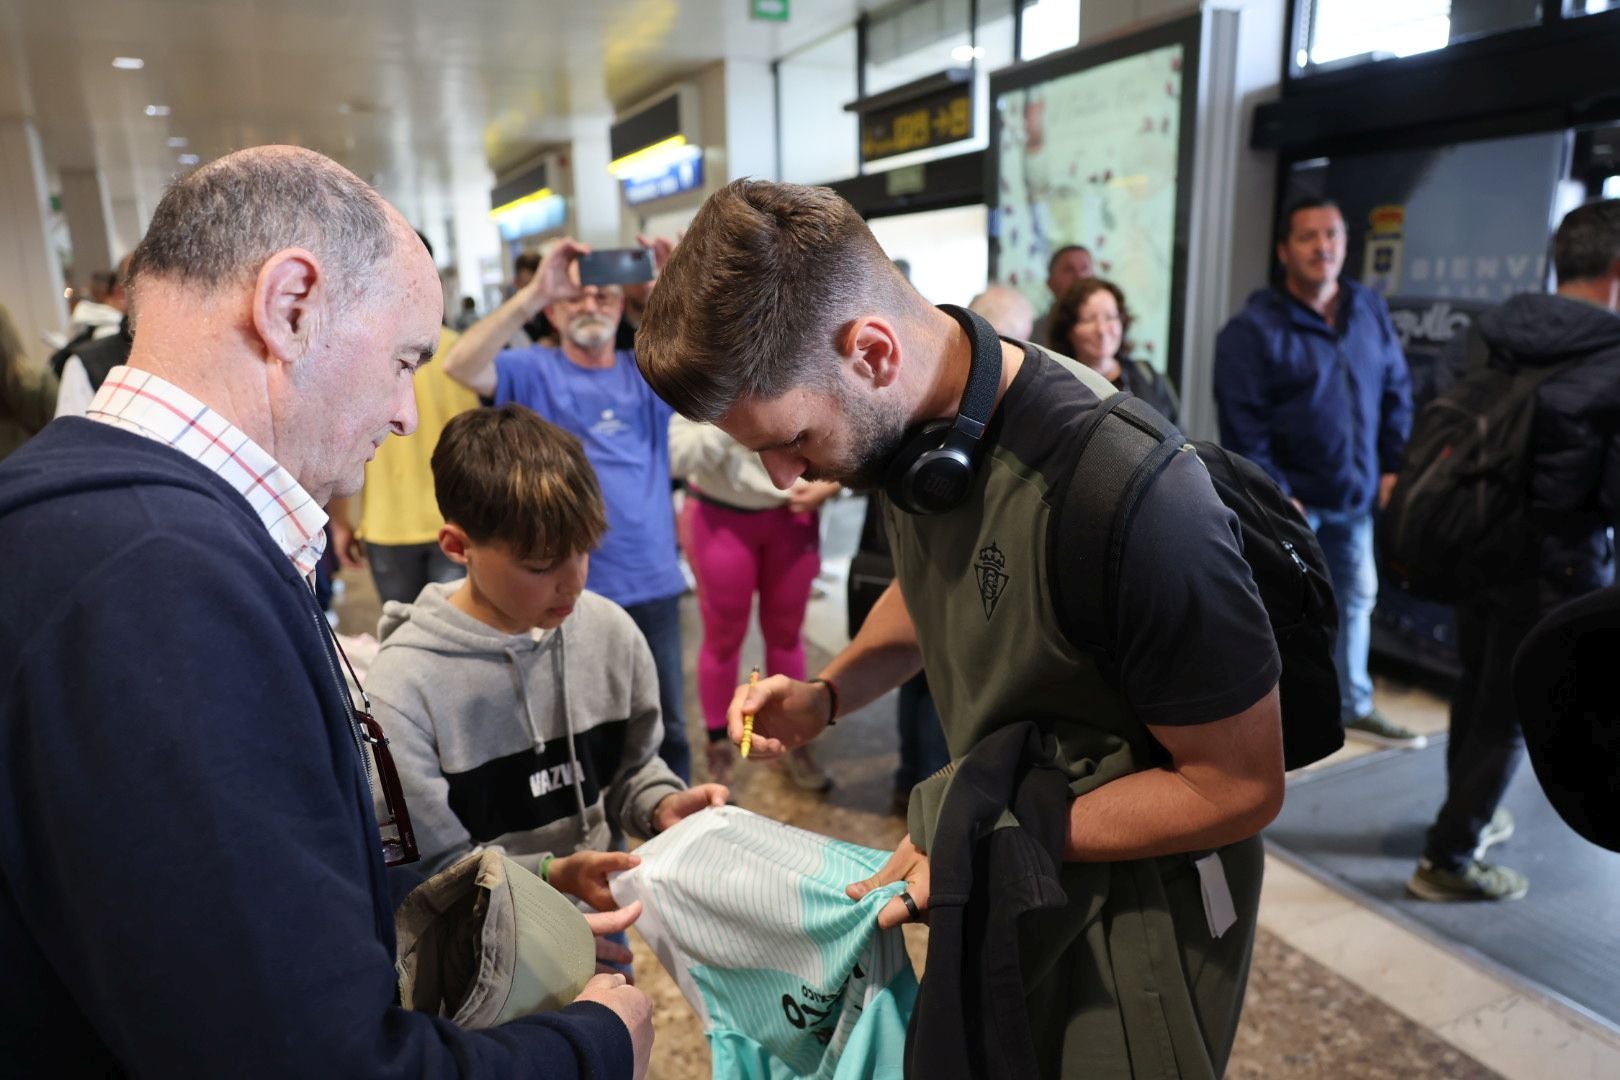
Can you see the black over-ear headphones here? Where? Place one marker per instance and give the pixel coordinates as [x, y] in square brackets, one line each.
[933, 469]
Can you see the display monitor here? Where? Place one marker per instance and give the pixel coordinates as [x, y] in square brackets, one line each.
[1093, 146]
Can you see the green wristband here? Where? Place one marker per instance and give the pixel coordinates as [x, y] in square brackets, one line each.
[545, 868]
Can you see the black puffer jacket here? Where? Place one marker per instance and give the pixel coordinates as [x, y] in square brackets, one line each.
[1575, 483]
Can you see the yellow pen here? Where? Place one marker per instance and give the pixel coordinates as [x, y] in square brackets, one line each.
[748, 718]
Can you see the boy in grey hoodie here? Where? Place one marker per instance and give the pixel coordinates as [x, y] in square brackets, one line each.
[522, 711]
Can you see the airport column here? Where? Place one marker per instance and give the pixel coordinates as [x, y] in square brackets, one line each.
[30, 276]
[84, 204]
[596, 192]
[750, 120]
[127, 223]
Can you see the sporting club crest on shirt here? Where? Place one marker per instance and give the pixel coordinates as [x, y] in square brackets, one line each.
[991, 570]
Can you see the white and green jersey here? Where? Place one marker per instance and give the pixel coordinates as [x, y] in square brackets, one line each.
[790, 977]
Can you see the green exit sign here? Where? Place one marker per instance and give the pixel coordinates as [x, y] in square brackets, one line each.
[770, 10]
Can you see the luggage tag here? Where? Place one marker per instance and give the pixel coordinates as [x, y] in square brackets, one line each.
[1218, 907]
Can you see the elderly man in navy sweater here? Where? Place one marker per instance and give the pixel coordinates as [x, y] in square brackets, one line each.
[191, 876]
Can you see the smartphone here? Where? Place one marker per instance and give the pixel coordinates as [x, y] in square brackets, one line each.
[616, 266]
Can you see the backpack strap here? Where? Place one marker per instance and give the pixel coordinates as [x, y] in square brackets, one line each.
[1126, 444]
[1479, 351]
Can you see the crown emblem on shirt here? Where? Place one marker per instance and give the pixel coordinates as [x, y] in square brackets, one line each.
[991, 570]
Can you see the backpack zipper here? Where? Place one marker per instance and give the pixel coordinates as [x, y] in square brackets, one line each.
[1260, 513]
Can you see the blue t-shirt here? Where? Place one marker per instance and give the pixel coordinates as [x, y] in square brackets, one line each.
[625, 429]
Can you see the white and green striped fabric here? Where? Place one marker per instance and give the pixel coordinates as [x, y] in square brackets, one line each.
[791, 977]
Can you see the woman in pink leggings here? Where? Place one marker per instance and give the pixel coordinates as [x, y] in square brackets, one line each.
[745, 537]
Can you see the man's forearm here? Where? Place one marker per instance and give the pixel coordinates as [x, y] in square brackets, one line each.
[471, 360]
[883, 655]
[1157, 812]
[1224, 784]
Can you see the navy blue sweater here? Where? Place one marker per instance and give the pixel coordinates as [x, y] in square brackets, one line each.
[190, 877]
[1323, 409]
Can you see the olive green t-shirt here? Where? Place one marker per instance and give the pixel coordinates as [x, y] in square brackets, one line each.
[985, 586]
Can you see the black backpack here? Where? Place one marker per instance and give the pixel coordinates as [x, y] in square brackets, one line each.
[872, 567]
[1458, 521]
[60, 357]
[1125, 445]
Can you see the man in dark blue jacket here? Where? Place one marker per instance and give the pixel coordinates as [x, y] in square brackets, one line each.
[1574, 499]
[192, 879]
[1311, 385]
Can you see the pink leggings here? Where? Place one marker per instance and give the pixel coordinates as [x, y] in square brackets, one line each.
[734, 555]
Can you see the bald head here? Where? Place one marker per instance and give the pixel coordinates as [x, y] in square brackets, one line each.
[217, 227]
[1007, 310]
[280, 290]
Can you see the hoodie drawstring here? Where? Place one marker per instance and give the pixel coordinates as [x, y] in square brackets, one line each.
[577, 774]
[557, 663]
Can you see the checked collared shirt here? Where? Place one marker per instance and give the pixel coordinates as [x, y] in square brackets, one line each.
[141, 402]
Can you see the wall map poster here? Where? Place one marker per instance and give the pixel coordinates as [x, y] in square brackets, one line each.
[1091, 158]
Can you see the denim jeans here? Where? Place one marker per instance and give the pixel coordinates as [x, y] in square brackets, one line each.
[400, 570]
[1347, 543]
[660, 623]
[922, 740]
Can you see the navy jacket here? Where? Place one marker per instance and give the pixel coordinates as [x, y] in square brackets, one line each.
[190, 877]
[1323, 409]
[1575, 469]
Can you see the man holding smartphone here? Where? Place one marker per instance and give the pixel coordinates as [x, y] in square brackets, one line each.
[595, 391]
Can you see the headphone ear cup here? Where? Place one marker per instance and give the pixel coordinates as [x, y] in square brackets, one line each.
[925, 476]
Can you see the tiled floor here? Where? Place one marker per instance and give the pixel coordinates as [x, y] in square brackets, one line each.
[1517, 1033]
[1337, 991]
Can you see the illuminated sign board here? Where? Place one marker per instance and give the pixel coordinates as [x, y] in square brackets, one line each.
[676, 177]
[942, 116]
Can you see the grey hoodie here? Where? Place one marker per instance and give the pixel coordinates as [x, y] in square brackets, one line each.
[502, 740]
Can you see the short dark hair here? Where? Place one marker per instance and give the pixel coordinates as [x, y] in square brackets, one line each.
[753, 298]
[1285, 223]
[1051, 264]
[1588, 241]
[1066, 312]
[220, 224]
[526, 263]
[506, 476]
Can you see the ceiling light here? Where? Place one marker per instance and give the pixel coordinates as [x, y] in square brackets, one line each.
[178, 142]
[966, 54]
[157, 110]
[188, 159]
[128, 63]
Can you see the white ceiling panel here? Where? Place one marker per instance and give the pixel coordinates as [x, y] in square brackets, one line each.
[412, 94]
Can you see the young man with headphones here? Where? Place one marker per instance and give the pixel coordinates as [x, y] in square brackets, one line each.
[780, 319]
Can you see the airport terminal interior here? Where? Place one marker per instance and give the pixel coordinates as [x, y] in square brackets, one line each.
[1175, 195]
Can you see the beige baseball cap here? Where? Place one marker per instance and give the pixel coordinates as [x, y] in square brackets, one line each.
[486, 941]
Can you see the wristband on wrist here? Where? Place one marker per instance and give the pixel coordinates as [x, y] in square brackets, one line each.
[545, 869]
[832, 698]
